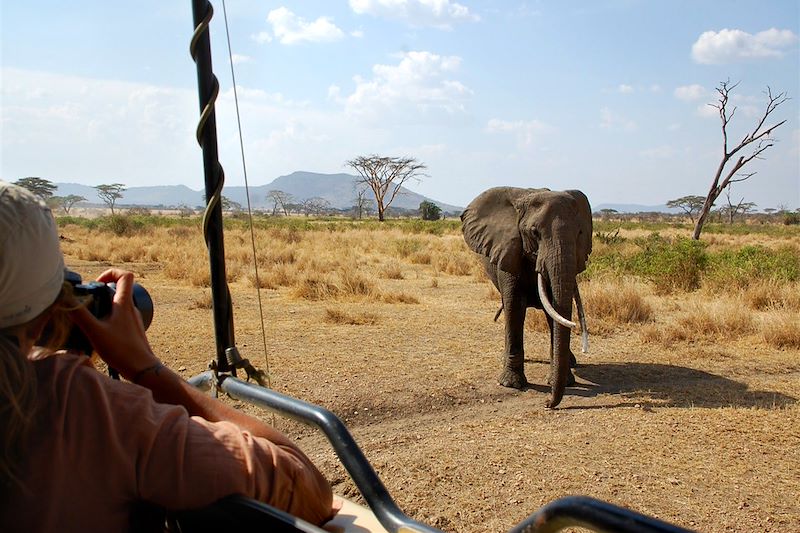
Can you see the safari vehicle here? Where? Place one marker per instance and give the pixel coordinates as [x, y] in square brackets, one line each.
[237, 513]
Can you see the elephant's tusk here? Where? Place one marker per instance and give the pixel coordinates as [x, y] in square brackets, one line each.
[582, 319]
[548, 307]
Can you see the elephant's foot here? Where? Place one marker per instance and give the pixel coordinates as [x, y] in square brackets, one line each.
[514, 379]
[573, 363]
[570, 379]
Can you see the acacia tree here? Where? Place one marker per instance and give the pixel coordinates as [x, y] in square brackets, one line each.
[315, 206]
[607, 212]
[229, 205]
[66, 202]
[691, 205]
[385, 176]
[280, 199]
[110, 193]
[760, 138]
[41, 187]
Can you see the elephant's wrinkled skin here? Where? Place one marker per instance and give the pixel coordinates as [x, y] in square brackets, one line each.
[522, 233]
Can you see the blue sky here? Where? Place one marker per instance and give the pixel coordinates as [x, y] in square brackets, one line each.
[606, 96]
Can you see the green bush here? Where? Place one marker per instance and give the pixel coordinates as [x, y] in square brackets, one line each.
[791, 219]
[121, 225]
[738, 268]
[669, 264]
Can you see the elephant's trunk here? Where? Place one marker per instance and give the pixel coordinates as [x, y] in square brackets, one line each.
[562, 286]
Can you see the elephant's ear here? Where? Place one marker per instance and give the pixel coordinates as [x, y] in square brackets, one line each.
[490, 227]
[584, 219]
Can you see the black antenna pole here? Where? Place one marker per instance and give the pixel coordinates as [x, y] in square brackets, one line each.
[208, 88]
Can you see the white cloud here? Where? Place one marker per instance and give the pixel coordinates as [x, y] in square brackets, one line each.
[625, 89]
[414, 89]
[659, 152]
[358, 34]
[262, 37]
[707, 111]
[526, 132]
[690, 92]
[611, 120]
[238, 59]
[95, 130]
[436, 13]
[335, 93]
[288, 28]
[728, 46]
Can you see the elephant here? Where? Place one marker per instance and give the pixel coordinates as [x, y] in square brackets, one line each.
[533, 243]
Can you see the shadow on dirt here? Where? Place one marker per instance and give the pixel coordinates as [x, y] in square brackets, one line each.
[657, 385]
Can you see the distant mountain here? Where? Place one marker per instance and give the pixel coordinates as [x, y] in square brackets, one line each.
[163, 195]
[338, 189]
[636, 208]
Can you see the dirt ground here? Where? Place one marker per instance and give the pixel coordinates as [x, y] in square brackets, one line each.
[704, 435]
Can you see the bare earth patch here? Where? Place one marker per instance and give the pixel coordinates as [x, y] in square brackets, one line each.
[702, 431]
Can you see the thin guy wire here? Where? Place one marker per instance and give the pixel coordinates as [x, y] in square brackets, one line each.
[247, 193]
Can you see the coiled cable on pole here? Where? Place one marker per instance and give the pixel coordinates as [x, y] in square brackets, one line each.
[208, 90]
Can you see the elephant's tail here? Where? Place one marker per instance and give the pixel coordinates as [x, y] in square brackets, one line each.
[497, 314]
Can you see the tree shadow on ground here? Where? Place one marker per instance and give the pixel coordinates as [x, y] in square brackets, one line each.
[656, 385]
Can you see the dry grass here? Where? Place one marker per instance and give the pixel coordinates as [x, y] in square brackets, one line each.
[203, 302]
[782, 330]
[767, 295]
[702, 321]
[392, 270]
[612, 303]
[316, 287]
[338, 316]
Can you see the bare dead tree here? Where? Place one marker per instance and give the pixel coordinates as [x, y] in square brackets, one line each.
[732, 209]
[360, 202]
[385, 176]
[760, 138]
[279, 199]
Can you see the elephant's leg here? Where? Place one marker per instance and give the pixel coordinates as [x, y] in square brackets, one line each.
[514, 305]
[572, 361]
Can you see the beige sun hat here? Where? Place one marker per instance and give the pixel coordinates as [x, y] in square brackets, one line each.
[31, 263]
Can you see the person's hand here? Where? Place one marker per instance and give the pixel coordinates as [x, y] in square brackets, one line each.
[119, 338]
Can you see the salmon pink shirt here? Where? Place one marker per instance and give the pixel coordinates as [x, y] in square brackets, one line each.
[99, 446]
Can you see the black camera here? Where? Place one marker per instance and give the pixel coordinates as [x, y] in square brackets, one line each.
[99, 304]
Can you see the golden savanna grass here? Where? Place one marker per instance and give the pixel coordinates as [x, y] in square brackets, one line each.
[686, 407]
[349, 265]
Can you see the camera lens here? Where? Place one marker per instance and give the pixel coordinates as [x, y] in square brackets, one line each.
[102, 295]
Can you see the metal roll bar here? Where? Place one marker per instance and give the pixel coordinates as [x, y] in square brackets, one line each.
[571, 511]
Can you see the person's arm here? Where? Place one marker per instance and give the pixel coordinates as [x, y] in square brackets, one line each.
[121, 342]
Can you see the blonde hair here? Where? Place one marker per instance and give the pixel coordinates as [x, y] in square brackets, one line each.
[18, 382]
